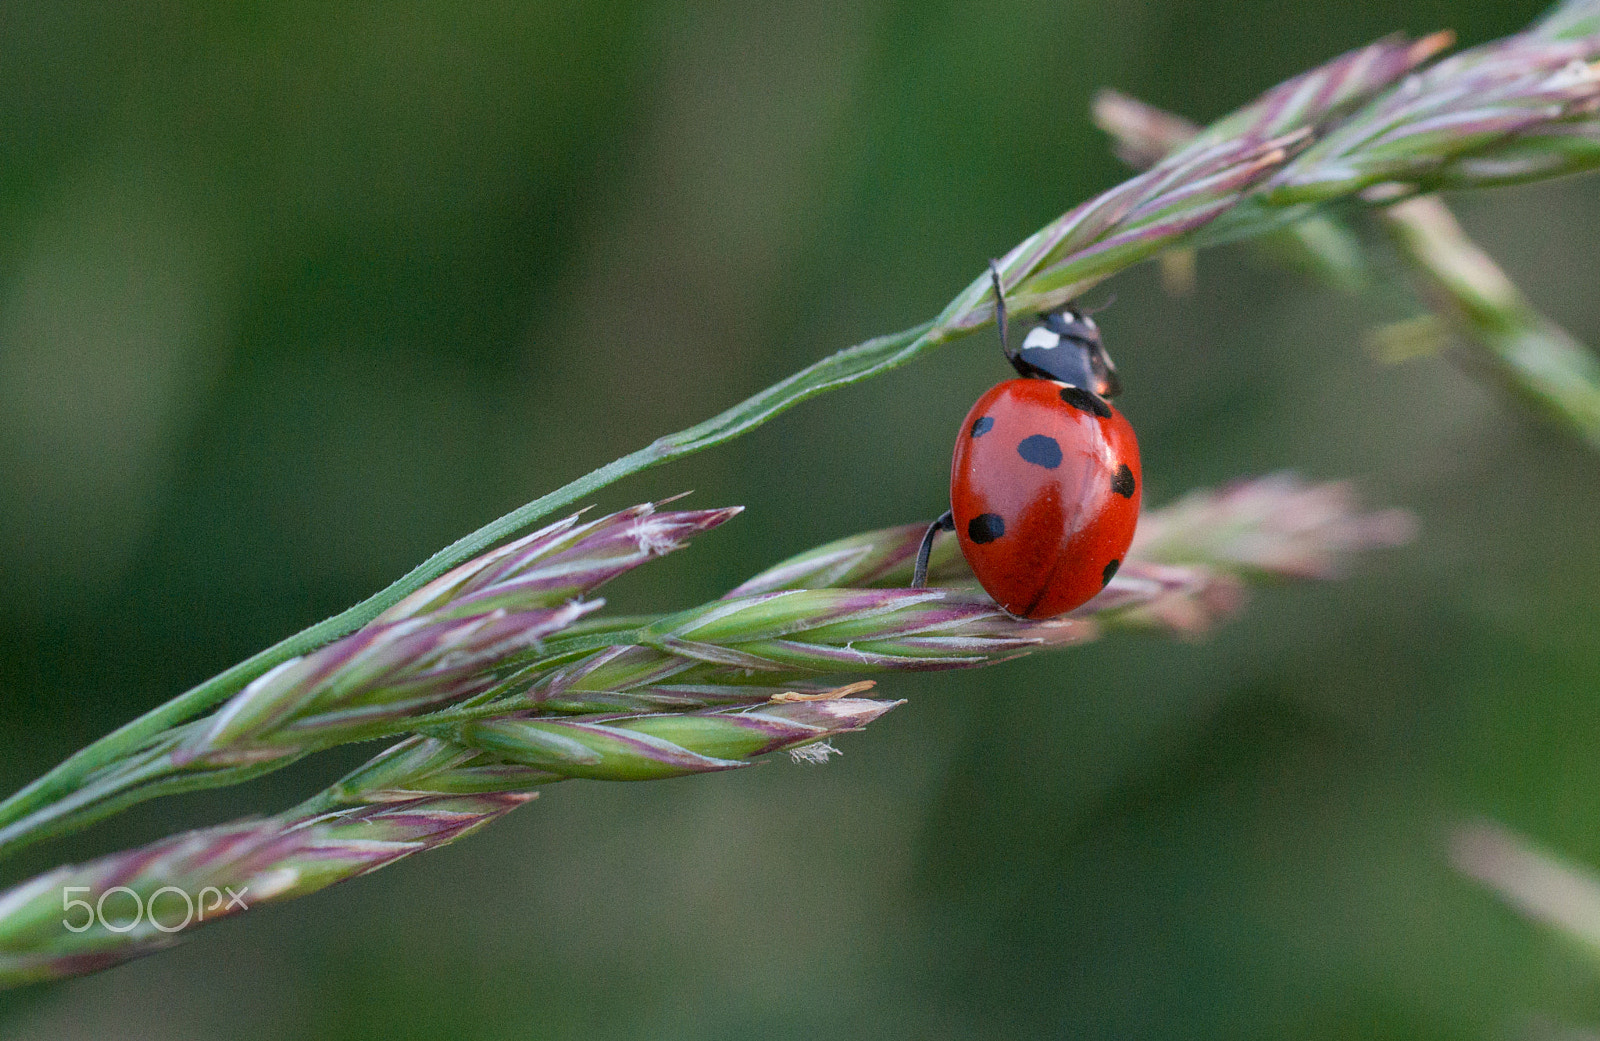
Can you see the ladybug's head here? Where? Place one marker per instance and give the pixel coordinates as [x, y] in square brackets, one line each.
[1066, 346]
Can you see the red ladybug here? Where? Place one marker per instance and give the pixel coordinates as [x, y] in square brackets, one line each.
[1045, 483]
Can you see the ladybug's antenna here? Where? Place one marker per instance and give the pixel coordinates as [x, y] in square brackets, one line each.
[999, 304]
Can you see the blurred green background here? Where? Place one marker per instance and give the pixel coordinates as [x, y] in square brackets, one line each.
[292, 294]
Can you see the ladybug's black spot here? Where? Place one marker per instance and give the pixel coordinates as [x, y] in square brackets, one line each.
[1084, 401]
[981, 425]
[986, 527]
[1040, 451]
[1109, 573]
[1122, 481]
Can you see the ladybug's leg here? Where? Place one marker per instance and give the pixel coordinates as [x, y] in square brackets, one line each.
[919, 574]
[999, 305]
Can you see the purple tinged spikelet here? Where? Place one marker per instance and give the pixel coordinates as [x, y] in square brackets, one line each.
[1312, 98]
[1517, 109]
[1137, 219]
[454, 639]
[1184, 571]
[558, 562]
[767, 638]
[652, 746]
[381, 671]
[447, 640]
[1273, 526]
[1465, 107]
[429, 790]
[222, 871]
[873, 559]
[1190, 187]
[371, 820]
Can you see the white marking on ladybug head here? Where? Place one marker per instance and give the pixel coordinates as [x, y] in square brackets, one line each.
[1042, 339]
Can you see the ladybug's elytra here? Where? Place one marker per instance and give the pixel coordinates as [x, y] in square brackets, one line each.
[1045, 483]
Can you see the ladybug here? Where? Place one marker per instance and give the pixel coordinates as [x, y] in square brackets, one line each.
[1045, 483]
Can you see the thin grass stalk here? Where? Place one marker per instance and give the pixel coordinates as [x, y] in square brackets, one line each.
[447, 641]
[1519, 348]
[427, 667]
[1463, 117]
[1539, 885]
[1245, 156]
[1320, 245]
[695, 691]
[1130, 223]
[1360, 130]
[179, 883]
